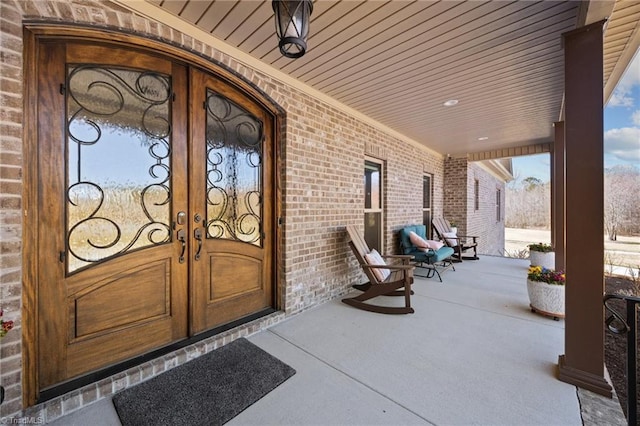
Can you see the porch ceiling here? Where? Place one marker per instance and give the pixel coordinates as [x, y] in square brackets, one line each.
[398, 61]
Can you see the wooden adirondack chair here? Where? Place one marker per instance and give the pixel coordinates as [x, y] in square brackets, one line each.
[397, 283]
[459, 243]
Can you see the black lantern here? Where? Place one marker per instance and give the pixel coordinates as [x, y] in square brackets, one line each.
[292, 25]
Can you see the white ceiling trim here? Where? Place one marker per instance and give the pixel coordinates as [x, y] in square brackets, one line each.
[496, 169]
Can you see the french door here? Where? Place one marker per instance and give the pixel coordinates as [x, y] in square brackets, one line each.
[155, 192]
[231, 186]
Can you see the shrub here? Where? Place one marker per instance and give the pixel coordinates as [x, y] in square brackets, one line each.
[541, 247]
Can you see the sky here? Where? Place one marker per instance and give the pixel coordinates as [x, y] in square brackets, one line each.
[621, 129]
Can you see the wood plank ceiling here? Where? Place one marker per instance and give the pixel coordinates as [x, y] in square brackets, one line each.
[398, 61]
[621, 41]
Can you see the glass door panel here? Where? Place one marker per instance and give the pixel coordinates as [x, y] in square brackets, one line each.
[234, 171]
[118, 169]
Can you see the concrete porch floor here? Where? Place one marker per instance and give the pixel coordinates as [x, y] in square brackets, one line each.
[473, 353]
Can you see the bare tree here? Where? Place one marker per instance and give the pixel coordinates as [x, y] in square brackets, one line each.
[622, 200]
[528, 203]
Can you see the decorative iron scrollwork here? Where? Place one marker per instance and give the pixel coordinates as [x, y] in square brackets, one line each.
[118, 162]
[234, 171]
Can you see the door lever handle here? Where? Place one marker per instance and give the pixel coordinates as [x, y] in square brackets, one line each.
[197, 234]
[182, 238]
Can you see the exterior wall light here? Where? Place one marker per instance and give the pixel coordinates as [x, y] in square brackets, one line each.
[292, 25]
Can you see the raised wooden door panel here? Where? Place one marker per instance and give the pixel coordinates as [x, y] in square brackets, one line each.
[112, 176]
[231, 200]
[124, 311]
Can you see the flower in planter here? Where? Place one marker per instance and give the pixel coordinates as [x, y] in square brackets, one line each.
[541, 247]
[5, 326]
[549, 276]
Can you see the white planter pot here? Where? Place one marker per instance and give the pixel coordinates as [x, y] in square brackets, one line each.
[546, 299]
[544, 259]
[454, 229]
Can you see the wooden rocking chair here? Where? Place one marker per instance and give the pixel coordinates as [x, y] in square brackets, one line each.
[400, 276]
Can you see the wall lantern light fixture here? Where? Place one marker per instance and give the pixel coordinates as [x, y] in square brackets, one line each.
[292, 25]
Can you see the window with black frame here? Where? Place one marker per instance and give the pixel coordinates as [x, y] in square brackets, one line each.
[373, 209]
[427, 191]
[476, 195]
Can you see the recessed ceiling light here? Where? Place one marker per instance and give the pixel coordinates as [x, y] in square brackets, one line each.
[451, 102]
[483, 138]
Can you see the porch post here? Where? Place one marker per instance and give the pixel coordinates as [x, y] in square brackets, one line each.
[558, 195]
[583, 361]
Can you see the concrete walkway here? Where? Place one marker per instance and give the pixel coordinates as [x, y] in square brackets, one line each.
[473, 353]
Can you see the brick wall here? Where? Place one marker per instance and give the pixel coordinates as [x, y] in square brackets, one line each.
[323, 153]
[405, 166]
[460, 176]
[10, 201]
[483, 222]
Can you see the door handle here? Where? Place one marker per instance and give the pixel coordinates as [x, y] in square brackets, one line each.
[182, 238]
[197, 234]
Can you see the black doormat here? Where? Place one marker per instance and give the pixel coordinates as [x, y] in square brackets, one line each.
[209, 390]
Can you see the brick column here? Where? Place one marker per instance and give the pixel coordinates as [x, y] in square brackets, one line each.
[455, 192]
[583, 362]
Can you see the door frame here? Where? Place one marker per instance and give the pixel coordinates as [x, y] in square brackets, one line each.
[36, 32]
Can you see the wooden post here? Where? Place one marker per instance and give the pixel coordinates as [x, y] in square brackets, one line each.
[583, 361]
[558, 196]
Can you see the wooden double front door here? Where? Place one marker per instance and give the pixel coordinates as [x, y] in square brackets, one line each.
[155, 191]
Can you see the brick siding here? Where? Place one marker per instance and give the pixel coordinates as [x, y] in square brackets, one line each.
[323, 151]
[455, 192]
[483, 222]
[459, 204]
